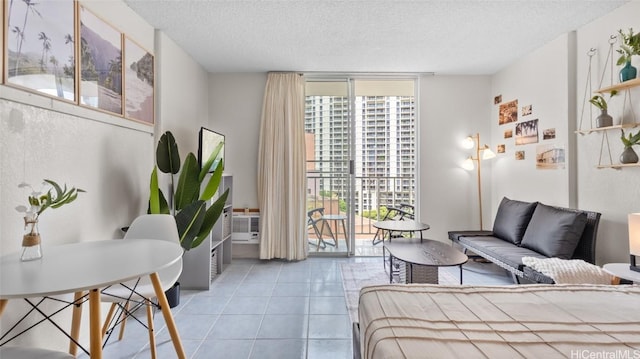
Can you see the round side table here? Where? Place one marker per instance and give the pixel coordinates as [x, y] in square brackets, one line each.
[621, 270]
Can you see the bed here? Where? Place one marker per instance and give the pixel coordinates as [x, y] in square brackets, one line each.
[533, 321]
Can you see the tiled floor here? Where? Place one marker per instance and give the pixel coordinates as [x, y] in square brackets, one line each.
[268, 309]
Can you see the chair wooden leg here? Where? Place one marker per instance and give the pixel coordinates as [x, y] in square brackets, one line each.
[107, 320]
[124, 321]
[152, 337]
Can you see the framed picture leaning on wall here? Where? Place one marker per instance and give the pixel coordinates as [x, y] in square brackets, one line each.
[40, 47]
[138, 82]
[100, 63]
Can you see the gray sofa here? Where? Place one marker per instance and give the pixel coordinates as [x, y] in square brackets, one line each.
[532, 229]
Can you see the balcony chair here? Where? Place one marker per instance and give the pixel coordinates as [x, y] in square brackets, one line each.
[315, 217]
[127, 297]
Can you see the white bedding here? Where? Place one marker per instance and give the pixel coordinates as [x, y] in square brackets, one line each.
[532, 321]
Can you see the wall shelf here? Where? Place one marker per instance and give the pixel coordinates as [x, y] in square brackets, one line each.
[621, 86]
[626, 125]
[619, 166]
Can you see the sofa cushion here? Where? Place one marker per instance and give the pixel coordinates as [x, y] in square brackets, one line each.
[554, 232]
[497, 250]
[512, 219]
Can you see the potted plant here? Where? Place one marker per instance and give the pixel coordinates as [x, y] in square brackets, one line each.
[604, 119]
[39, 201]
[188, 198]
[629, 155]
[188, 202]
[630, 46]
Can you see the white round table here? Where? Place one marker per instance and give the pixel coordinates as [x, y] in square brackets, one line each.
[90, 266]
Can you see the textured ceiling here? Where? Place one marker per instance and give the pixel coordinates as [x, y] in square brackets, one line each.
[449, 37]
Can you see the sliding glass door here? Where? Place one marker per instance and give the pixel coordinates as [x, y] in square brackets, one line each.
[361, 158]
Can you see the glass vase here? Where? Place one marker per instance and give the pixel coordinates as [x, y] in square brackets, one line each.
[31, 246]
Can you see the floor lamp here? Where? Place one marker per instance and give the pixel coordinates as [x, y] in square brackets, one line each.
[469, 163]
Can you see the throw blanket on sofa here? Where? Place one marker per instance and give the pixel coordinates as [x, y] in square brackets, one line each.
[574, 271]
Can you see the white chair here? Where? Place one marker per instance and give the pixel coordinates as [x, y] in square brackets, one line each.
[140, 291]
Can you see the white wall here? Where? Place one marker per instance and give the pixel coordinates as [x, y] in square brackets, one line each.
[183, 95]
[108, 156]
[235, 105]
[614, 193]
[451, 108]
[541, 79]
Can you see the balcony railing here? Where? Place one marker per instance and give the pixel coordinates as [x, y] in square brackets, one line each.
[370, 194]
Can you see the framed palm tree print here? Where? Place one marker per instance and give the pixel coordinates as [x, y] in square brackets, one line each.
[100, 63]
[39, 45]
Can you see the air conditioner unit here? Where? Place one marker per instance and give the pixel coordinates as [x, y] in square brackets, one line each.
[246, 228]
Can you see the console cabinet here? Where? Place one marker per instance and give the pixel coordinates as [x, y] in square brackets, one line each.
[201, 264]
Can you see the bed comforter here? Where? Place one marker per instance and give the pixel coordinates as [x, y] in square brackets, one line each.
[535, 321]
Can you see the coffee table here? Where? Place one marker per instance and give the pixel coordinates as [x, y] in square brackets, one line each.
[427, 255]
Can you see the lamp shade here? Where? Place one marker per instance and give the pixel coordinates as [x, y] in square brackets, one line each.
[634, 234]
[468, 142]
[468, 164]
[487, 153]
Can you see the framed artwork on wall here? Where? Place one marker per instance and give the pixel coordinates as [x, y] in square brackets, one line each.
[519, 155]
[527, 132]
[40, 47]
[550, 157]
[138, 82]
[526, 110]
[508, 112]
[100, 64]
[549, 134]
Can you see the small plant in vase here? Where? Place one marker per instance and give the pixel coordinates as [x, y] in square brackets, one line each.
[629, 155]
[604, 119]
[39, 201]
[630, 46]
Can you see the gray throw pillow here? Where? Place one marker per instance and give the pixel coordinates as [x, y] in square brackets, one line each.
[512, 219]
[554, 232]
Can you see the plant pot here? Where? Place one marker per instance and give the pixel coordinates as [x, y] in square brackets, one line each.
[628, 72]
[628, 156]
[604, 119]
[173, 295]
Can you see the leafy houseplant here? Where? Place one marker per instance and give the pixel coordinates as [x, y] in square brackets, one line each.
[630, 46]
[188, 202]
[604, 119]
[55, 197]
[629, 155]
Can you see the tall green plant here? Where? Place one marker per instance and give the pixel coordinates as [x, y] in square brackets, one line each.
[188, 197]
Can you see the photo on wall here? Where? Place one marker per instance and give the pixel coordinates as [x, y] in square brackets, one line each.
[550, 157]
[527, 132]
[100, 63]
[497, 99]
[508, 112]
[526, 110]
[138, 82]
[519, 155]
[40, 47]
[508, 133]
[501, 148]
[549, 134]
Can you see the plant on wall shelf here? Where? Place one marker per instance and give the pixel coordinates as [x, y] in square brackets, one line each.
[629, 155]
[630, 46]
[630, 139]
[188, 202]
[600, 102]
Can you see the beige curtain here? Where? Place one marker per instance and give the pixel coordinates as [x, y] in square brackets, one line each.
[281, 169]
